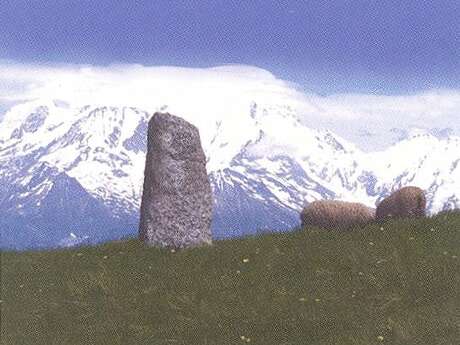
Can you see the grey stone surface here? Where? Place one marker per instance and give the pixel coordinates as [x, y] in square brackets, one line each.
[405, 202]
[176, 206]
[335, 214]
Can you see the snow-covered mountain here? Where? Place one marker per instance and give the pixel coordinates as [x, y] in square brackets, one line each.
[74, 173]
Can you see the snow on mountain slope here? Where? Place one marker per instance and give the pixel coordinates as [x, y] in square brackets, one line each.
[88, 147]
[264, 164]
[425, 161]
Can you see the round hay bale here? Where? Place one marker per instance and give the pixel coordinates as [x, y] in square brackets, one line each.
[406, 202]
[334, 214]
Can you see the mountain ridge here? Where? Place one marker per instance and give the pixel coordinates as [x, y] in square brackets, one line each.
[264, 164]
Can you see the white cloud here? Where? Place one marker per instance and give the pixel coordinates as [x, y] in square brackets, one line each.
[369, 120]
[133, 84]
[365, 119]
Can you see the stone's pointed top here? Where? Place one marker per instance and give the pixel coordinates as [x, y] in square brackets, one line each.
[167, 118]
[175, 136]
[159, 116]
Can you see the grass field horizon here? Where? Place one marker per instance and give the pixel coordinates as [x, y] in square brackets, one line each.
[391, 283]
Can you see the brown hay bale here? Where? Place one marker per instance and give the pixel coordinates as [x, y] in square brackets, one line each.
[405, 202]
[334, 214]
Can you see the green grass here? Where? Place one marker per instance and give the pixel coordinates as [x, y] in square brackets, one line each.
[399, 285]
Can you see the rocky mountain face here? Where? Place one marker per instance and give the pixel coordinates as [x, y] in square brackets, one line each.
[71, 174]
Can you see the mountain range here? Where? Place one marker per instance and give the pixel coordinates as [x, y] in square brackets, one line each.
[73, 174]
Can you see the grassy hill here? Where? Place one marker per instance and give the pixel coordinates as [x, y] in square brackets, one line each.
[395, 284]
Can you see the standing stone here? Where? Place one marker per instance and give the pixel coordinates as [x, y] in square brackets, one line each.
[405, 202]
[177, 199]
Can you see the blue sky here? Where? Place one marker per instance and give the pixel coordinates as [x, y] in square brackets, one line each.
[383, 47]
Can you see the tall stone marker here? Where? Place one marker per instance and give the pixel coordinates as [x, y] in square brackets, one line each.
[176, 206]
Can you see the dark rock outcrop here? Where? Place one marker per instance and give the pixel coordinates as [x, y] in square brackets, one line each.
[334, 214]
[176, 206]
[405, 202]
